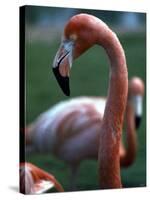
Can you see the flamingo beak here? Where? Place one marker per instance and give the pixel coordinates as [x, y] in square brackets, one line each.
[62, 64]
[137, 122]
[138, 109]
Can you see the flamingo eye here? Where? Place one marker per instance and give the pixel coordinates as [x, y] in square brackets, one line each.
[73, 37]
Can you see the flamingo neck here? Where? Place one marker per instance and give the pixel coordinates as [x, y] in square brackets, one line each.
[110, 132]
[130, 152]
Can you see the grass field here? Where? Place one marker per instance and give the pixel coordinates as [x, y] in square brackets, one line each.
[89, 76]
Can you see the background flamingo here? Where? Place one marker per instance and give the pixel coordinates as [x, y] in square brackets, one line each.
[132, 120]
[34, 180]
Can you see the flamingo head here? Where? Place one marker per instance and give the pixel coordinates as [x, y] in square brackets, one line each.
[79, 35]
[136, 92]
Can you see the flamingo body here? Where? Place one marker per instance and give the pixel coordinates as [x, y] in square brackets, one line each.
[68, 128]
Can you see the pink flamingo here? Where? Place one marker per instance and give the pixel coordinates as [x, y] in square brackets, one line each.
[82, 32]
[34, 180]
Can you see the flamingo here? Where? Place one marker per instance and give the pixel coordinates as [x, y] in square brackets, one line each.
[64, 127]
[82, 32]
[34, 180]
[132, 118]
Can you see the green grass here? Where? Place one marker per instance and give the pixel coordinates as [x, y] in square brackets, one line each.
[89, 76]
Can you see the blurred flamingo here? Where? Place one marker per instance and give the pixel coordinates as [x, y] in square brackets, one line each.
[133, 116]
[34, 180]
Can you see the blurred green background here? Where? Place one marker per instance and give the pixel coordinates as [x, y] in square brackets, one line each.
[44, 27]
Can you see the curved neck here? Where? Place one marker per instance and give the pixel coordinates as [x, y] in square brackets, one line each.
[110, 132]
[130, 152]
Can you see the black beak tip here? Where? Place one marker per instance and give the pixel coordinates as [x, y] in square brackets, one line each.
[66, 90]
[137, 121]
[67, 93]
[62, 81]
